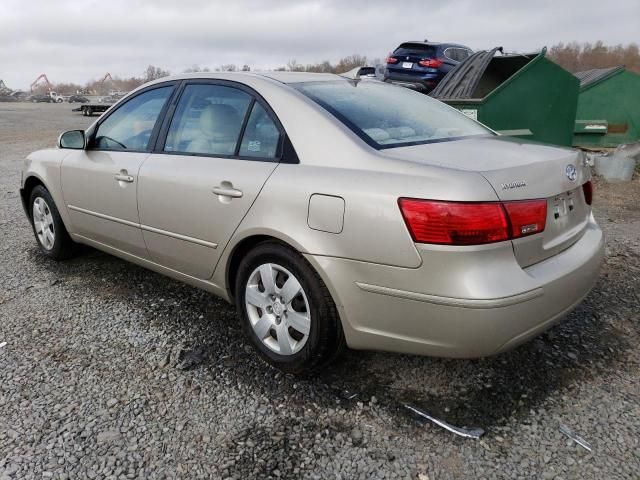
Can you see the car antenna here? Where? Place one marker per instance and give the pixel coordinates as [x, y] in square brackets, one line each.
[359, 72]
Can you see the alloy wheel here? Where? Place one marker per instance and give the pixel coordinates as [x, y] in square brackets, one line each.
[278, 309]
[43, 223]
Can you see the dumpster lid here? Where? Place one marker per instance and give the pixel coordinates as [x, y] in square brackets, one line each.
[596, 75]
[480, 74]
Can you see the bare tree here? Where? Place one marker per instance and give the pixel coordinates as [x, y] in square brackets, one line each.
[294, 66]
[348, 63]
[576, 57]
[196, 68]
[153, 73]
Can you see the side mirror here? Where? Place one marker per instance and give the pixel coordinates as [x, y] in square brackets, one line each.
[72, 139]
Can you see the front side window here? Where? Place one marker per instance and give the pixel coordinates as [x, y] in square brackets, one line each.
[208, 120]
[130, 126]
[387, 116]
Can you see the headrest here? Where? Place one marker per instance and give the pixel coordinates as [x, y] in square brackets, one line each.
[220, 121]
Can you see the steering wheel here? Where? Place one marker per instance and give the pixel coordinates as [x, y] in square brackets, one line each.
[104, 137]
[140, 140]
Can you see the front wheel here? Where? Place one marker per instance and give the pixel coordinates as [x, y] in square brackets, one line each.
[50, 232]
[286, 309]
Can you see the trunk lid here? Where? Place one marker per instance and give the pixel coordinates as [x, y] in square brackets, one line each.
[519, 170]
[409, 54]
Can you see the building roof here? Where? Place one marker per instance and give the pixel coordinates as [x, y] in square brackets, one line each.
[595, 75]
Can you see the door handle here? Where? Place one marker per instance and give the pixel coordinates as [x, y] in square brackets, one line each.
[123, 176]
[227, 190]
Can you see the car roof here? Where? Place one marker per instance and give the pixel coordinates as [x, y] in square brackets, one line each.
[434, 44]
[282, 77]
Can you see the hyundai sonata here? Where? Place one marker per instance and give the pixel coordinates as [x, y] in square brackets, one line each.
[332, 211]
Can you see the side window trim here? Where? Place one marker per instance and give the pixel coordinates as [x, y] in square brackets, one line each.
[156, 127]
[245, 120]
[286, 151]
[447, 53]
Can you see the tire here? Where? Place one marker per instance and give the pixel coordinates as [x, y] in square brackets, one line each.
[272, 326]
[52, 236]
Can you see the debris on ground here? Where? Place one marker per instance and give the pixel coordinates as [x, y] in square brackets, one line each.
[576, 438]
[466, 432]
[188, 359]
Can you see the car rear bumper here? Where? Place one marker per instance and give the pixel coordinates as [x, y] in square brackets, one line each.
[427, 80]
[387, 308]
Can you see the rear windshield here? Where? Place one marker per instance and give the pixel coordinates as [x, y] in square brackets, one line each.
[416, 48]
[387, 116]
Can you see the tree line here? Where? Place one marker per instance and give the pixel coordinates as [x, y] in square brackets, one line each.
[572, 56]
[152, 72]
[577, 57]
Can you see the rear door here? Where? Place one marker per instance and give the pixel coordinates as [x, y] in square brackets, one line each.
[99, 184]
[408, 56]
[217, 148]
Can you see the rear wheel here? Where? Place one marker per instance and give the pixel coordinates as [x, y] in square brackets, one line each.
[286, 309]
[50, 232]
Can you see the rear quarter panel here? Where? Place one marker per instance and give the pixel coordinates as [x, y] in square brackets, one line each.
[373, 229]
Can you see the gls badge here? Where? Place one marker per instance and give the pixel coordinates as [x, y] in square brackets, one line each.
[516, 184]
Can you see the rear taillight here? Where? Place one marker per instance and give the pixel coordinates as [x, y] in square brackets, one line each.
[430, 62]
[392, 60]
[526, 217]
[587, 188]
[471, 223]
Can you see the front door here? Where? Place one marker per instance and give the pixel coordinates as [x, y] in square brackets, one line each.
[100, 184]
[218, 151]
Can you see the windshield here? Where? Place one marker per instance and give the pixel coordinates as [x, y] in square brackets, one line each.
[387, 116]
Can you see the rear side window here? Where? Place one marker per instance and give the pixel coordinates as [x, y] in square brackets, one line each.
[457, 54]
[416, 49]
[130, 126]
[452, 54]
[261, 136]
[464, 53]
[208, 120]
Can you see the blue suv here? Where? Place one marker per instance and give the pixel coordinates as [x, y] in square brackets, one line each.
[423, 64]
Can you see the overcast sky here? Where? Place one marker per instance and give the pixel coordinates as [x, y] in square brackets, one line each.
[82, 40]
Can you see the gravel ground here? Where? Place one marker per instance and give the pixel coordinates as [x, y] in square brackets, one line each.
[111, 371]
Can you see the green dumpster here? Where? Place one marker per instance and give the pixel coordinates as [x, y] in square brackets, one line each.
[608, 108]
[524, 95]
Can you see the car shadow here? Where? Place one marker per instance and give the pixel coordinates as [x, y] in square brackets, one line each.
[486, 392]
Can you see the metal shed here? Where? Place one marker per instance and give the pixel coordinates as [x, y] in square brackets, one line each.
[524, 95]
[608, 108]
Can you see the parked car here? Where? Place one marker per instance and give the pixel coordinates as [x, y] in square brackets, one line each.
[19, 95]
[78, 99]
[41, 99]
[56, 98]
[423, 64]
[108, 99]
[331, 211]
